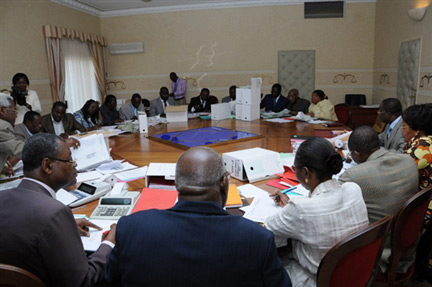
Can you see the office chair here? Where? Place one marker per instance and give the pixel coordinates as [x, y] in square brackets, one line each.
[354, 261]
[404, 238]
[355, 99]
[12, 276]
[343, 113]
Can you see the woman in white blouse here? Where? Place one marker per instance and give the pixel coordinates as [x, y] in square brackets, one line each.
[321, 106]
[20, 82]
[315, 223]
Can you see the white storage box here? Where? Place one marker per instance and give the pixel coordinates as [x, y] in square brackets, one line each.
[253, 164]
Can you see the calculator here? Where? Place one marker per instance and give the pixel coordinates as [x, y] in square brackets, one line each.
[112, 208]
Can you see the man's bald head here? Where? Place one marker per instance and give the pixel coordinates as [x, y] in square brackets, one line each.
[200, 175]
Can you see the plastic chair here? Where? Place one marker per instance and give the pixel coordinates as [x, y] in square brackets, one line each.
[354, 261]
[404, 238]
[343, 113]
[355, 99]
[12, 276]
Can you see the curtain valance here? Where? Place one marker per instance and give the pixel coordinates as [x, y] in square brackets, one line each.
[50, 31]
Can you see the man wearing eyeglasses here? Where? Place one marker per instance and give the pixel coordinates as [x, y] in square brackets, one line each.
[39, 233]
[10, 146]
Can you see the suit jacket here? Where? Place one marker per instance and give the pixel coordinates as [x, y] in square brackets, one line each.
[395, 141]
[21, 132]
[9, 144]
[69, 123]
[39, 234]
[157, 108]
[197, 101]
[126, 111]
[267, 103]
[193, 244]
[387, 181]
[227, 99]
[301, 105]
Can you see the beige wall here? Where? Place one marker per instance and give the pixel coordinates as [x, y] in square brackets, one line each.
[22, 46]
[392, 28]
[221, 47]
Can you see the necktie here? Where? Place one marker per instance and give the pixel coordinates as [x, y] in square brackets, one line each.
[274, 103]
[165, 104]
[389, 131]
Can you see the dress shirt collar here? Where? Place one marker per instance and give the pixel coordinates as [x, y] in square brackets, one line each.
[29, 132]
[325, 186]
[49, 189]
[392, 125]
[58, 126]
[207, 207]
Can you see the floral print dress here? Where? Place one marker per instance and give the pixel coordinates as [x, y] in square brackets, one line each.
[420, 149]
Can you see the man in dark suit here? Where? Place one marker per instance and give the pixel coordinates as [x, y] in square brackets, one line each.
[158, 106]
[59, 122]
[390, 113]
[39, 233]
[274, 102]
[297, 104]
[31, 125]
[200, 103]
[195, 243]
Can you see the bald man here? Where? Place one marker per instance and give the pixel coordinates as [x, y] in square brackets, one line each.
[195, 243]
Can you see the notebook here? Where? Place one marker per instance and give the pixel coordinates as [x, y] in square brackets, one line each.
[155, 199]
[234, 199]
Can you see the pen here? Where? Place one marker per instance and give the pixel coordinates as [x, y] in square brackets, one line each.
[285, 191]
[78, 216]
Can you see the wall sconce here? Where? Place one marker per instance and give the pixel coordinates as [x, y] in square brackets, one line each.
[417, 14]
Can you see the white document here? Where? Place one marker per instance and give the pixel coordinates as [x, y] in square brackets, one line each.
[92, 152]
[65, 197]
[249, 190]
[159, 169]
[262, 207]
[10, 184]
[279, 120]
[93, 242]
[114, 167]
[88, 175]
[132, 174]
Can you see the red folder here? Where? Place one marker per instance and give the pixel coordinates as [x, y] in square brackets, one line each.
[155, 199]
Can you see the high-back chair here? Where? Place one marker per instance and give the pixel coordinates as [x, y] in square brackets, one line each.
[404, 238]
[342, 112]
[354, 261]
[355, 99]
[12, 276]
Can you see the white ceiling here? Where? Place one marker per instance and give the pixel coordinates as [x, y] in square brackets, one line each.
[113, 8]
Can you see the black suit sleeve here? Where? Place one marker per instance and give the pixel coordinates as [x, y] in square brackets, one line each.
[63, 254]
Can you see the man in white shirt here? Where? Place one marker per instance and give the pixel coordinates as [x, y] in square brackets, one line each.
[178, 89]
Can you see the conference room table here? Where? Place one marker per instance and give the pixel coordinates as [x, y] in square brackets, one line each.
[140, 149]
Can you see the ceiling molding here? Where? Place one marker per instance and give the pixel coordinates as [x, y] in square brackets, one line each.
[190, 7]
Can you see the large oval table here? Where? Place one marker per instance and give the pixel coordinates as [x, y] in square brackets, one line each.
[141, 149]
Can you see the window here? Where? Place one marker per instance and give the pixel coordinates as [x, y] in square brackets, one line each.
[80, 80]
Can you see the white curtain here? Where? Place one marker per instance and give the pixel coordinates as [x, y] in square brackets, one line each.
[80, 81]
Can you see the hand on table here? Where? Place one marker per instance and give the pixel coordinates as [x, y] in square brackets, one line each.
[83, 226]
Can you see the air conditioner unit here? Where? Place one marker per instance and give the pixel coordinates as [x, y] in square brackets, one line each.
[127, 48]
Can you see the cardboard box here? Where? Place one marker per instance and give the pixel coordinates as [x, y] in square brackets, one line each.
[253, 164]
[176, 113]
[249, 112]
[161, 175]
[142, 124]
[220, 111]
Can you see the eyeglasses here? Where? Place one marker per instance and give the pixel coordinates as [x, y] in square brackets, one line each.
[381, 112]
[71, 161]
